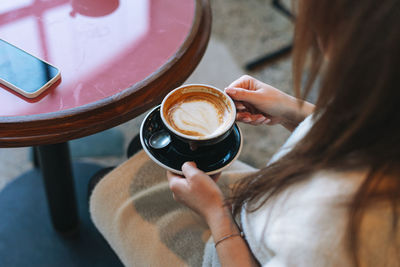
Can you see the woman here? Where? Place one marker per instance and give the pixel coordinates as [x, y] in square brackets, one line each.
[331, 196]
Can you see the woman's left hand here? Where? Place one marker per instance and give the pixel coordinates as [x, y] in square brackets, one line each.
[196, 190]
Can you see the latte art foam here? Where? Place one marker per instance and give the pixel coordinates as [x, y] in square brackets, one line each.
[198, 115]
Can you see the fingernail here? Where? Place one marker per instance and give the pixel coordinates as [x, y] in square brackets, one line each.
[267, 121]
[246, 119]
[230, 90]
[240, 107]
[188, 164]
[260, 119]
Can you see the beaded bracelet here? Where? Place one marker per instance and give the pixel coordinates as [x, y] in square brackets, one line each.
[227, 237]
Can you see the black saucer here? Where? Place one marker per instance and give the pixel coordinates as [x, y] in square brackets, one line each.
[210, 159]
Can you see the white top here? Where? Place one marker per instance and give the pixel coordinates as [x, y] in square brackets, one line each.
[306, 225]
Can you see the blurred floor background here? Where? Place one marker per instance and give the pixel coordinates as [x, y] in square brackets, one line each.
[241, 32]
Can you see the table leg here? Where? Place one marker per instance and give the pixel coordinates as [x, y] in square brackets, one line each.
[55, 165]
[35, 157]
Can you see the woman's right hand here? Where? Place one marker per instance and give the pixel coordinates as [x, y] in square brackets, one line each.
[259, 103]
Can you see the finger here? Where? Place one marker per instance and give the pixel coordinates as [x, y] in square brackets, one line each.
[240, 106]
[244, 81]
[191, 171]
[250, 108]
[191, 164]
[171, 175]
[267, 121]
[247, 117]
[259, 118]
[246, 107]
[241, 94]
[176, 182]
[243, 116]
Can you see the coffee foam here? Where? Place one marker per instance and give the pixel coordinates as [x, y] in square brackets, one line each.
[198, 114]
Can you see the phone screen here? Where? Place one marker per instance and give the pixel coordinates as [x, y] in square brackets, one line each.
[23, 70]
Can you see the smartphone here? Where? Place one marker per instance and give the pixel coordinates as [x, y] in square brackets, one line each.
[23, 72]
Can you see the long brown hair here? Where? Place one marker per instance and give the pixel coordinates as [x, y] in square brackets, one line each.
[357, 115]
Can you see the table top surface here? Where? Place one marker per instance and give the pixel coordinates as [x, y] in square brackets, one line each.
[111, 53]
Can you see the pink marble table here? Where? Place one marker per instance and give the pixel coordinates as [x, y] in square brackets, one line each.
[117, 58]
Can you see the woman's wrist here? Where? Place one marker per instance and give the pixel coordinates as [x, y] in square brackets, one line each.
[296, 111]
[221, 223]
[229, 240]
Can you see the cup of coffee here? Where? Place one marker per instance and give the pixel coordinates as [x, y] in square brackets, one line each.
[198, 114]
